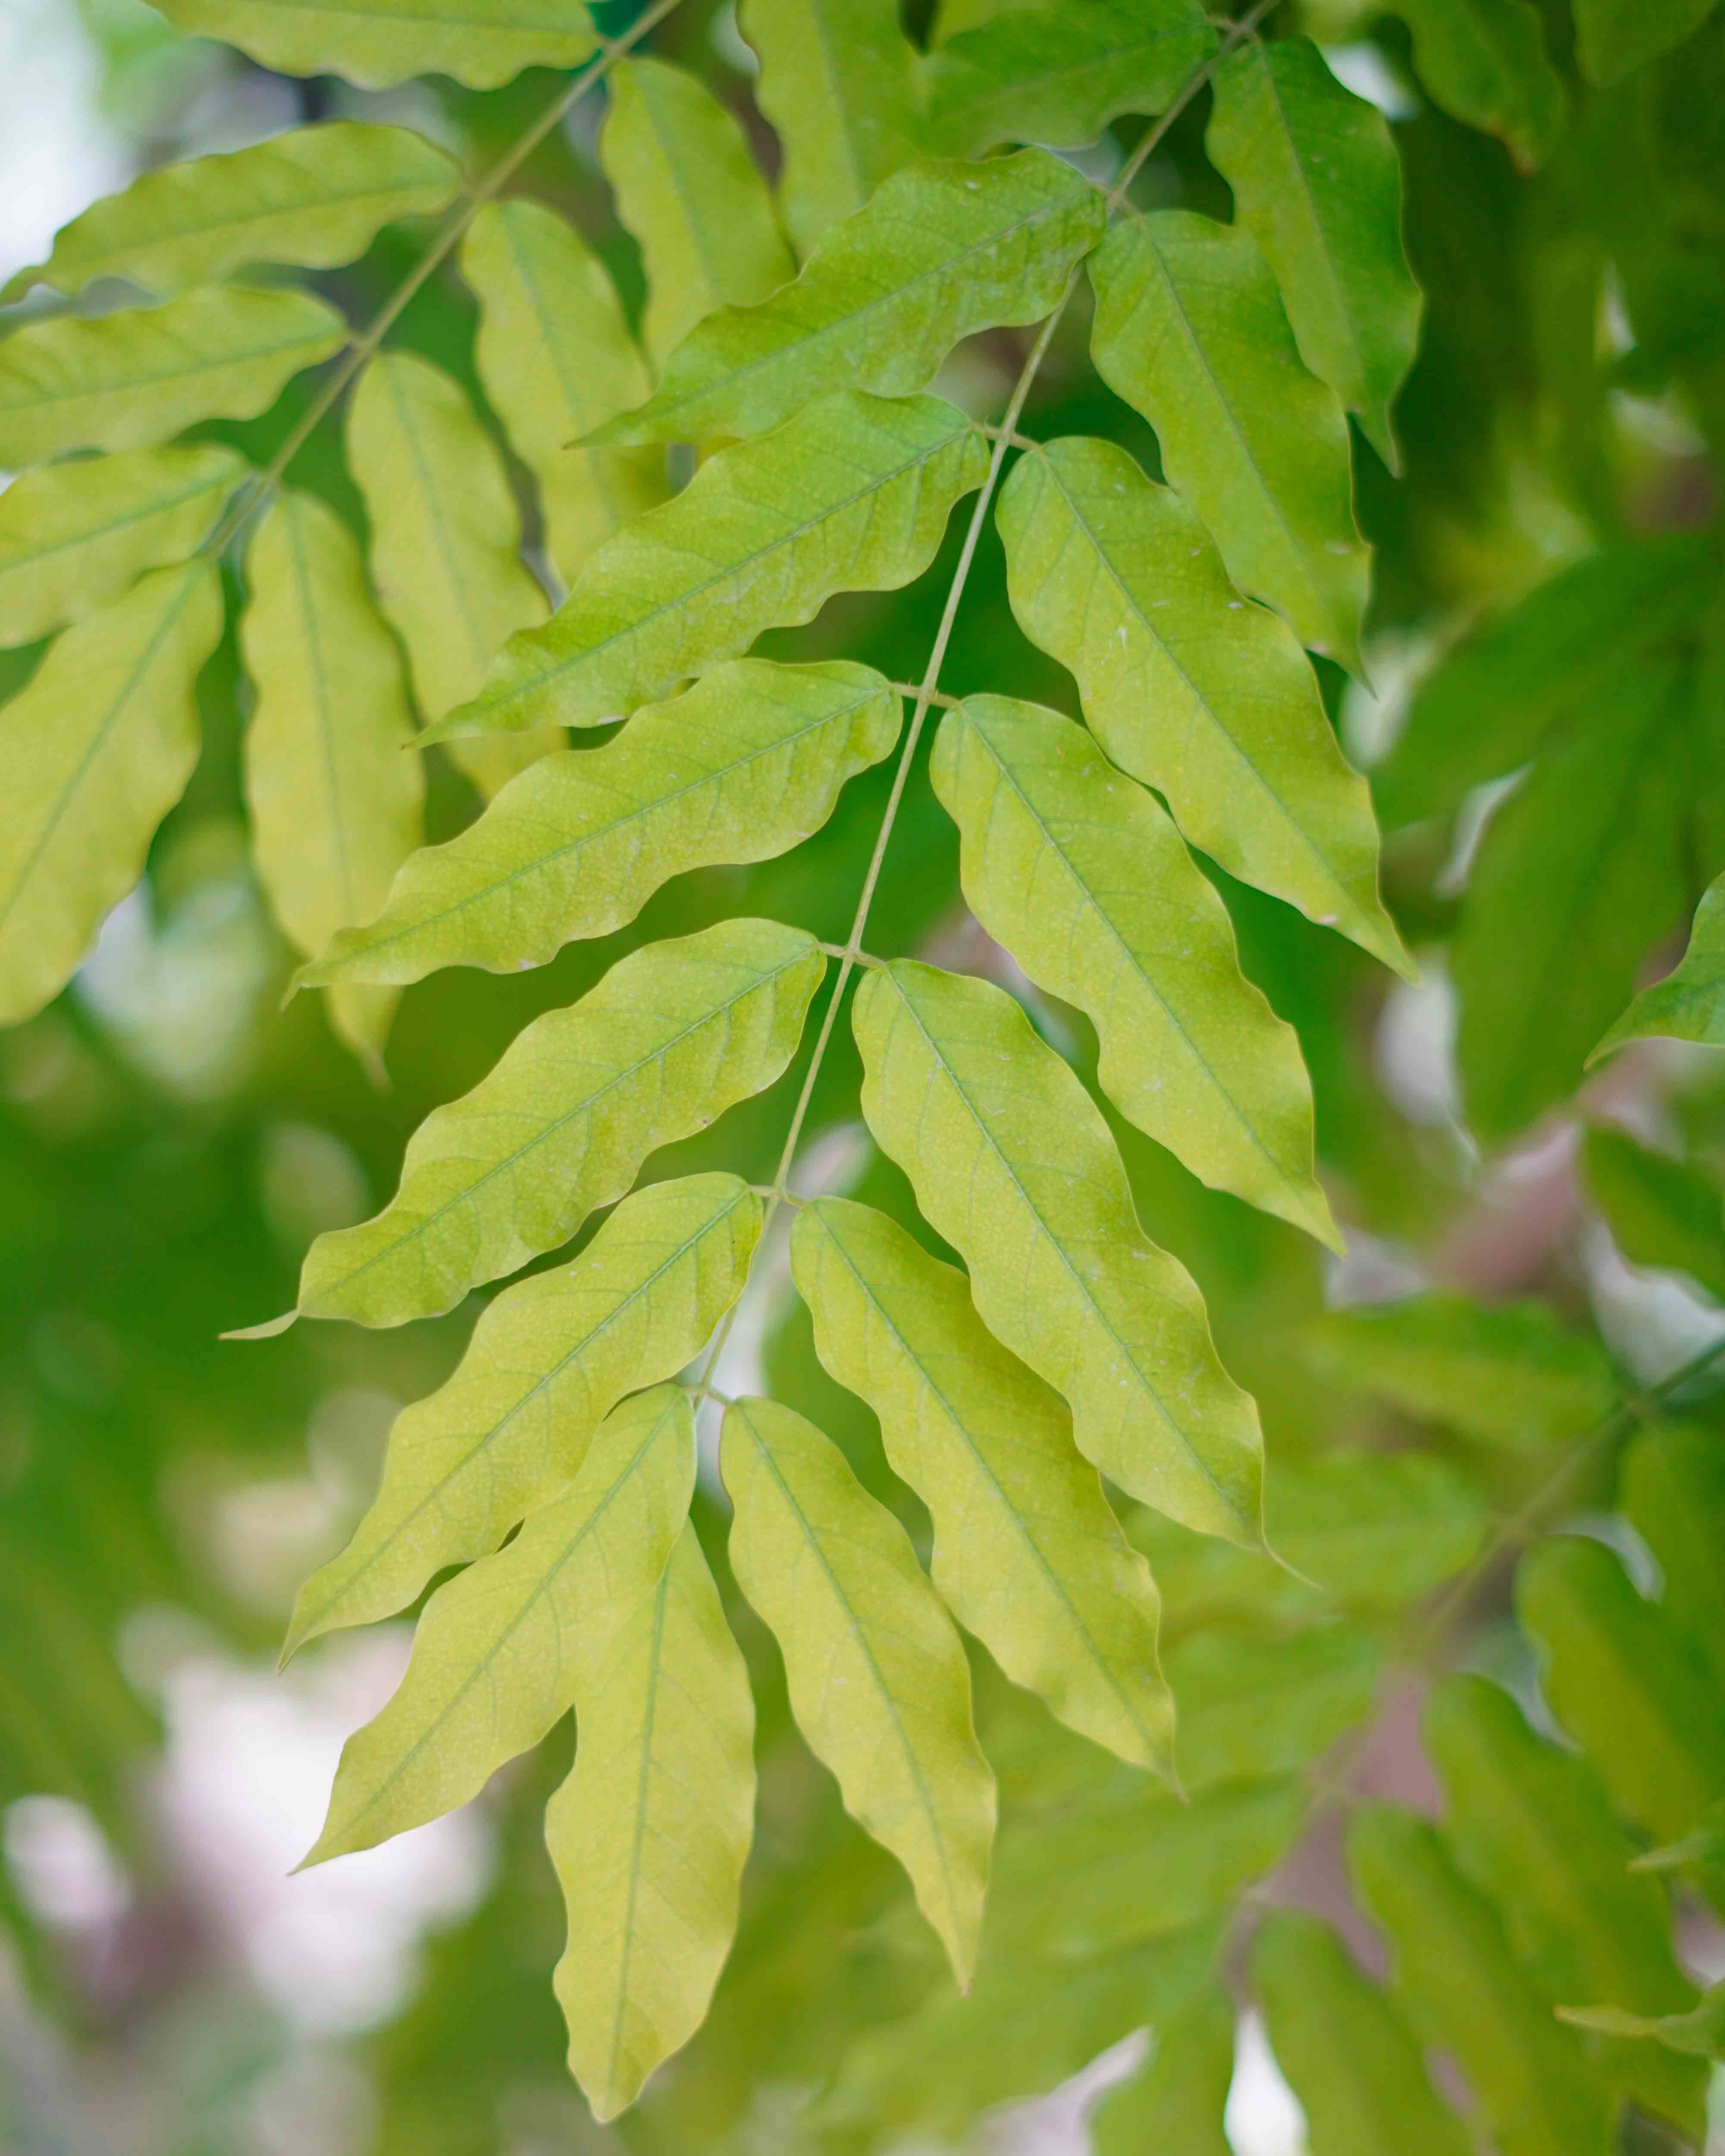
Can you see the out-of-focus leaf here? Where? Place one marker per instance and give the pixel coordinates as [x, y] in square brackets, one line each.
[1613, 38]
[650, 1833]
[502, 1651]
[1699, 2034]
[549, 1359]
[1660, 1214]
[1672, 1490]
[852, 494]
[1026, 1552]
[1688, 1004]
[688, 188]
[1191, 332]
[96, 749]
[120, 381]
[1483, 62]
[1175, 2104]
[1251, 1706]
[878, 1680]
[384, 42]
[1507, 1374]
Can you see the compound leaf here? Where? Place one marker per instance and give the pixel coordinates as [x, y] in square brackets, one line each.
[879, 1683]
[549, 1359]
[1689, 1004]
[1191, 332]
[1012, 1163]
[1660, 1214]
[378, 43]
[740, 767]
[1027, 1554]
[501, 1651]
[1081, 874]
[1187, 687]
[97, 748]
[650, 1833]
[1174, 2105]
[673, 1035]
[1483, 62]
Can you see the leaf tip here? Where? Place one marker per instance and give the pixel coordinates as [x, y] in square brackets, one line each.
[267, 1330]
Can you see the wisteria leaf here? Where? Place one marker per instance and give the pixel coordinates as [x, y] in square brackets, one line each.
[879, 1683]
[1483, 62]
[1250, 1706]
[943, 250]
[1689, 1004]
[740, 767]
[650, 1833]
[378, 43]
[501, 1651]
[1191, 332]
[96, 747]
[313, 197]
[1174, 2103]
[1208, 699]
[1699, 2034]
[1613, 38]
[851, 495]
[673, 1035]
[1027, 1554]
[549, 1359]
[1012, 1163]
[1671, 1491]
[1662, 1213]
[120, 381]
[1076, 869]
[73, 535]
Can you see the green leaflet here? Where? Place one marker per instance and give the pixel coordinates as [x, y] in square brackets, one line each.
[944, 249]
[1579, 874]
[313, 197]
[504, 1649]
[1699, 2034]
[1027, 1554]
[1060, 75]
[548, 1360]
[1190, 330]
[73, 535]
[1012, 1163]
[649, 1832]
[1483, 62]
[1628, 1687]
[97, 748]
[376, 43]
[740, 767]
[445, 542]
[1315, 181]
[878, 1680]
[1529, 1825]
[335, 804]
[1672, 1490]
[1613, 38]
[672, 1036]
[1467, 1991]
[1174, 2105]
[555, 357]
[688, 187]
[852, 494]
[1079, 873]
[1507, 1374]
[115, 382]
[842, 88]
[1660, 1214]
[1208, 699]
[1346, 2050]
[1250, 1706]
[1688, 1004]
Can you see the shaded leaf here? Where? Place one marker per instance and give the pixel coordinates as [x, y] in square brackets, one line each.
[1689, 1004]
[1660, 1214]
[379, 42]
[1250, 1706]
[1613, 38]
[1672, 1490]
[1175, 2104]
[1484, 61]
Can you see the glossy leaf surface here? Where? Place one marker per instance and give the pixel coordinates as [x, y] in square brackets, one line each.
[380, 42]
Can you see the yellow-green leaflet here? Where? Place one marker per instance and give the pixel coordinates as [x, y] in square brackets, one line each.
[115, 382]
[501, 1651]
[1689, 1004]
[1190, 330]
[852, 494]
[878, 1680]
[1012, 1163]
[1076, 870]
[72, 536]
[688, 187]
[376, 43]
[1345, 2048]
[650, 1833]
[445, 542]
[555, 357]
[1208, 699]
[315, 196]
[1315, 181]
[943, 250]
[672, 1036]
[1175, 2104]
[1672, 1490]
[334, 802]
[96, 748]
[744, 766]
[1027, 1554]
[1484, 61]
[840, 84]
[548, 1359]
